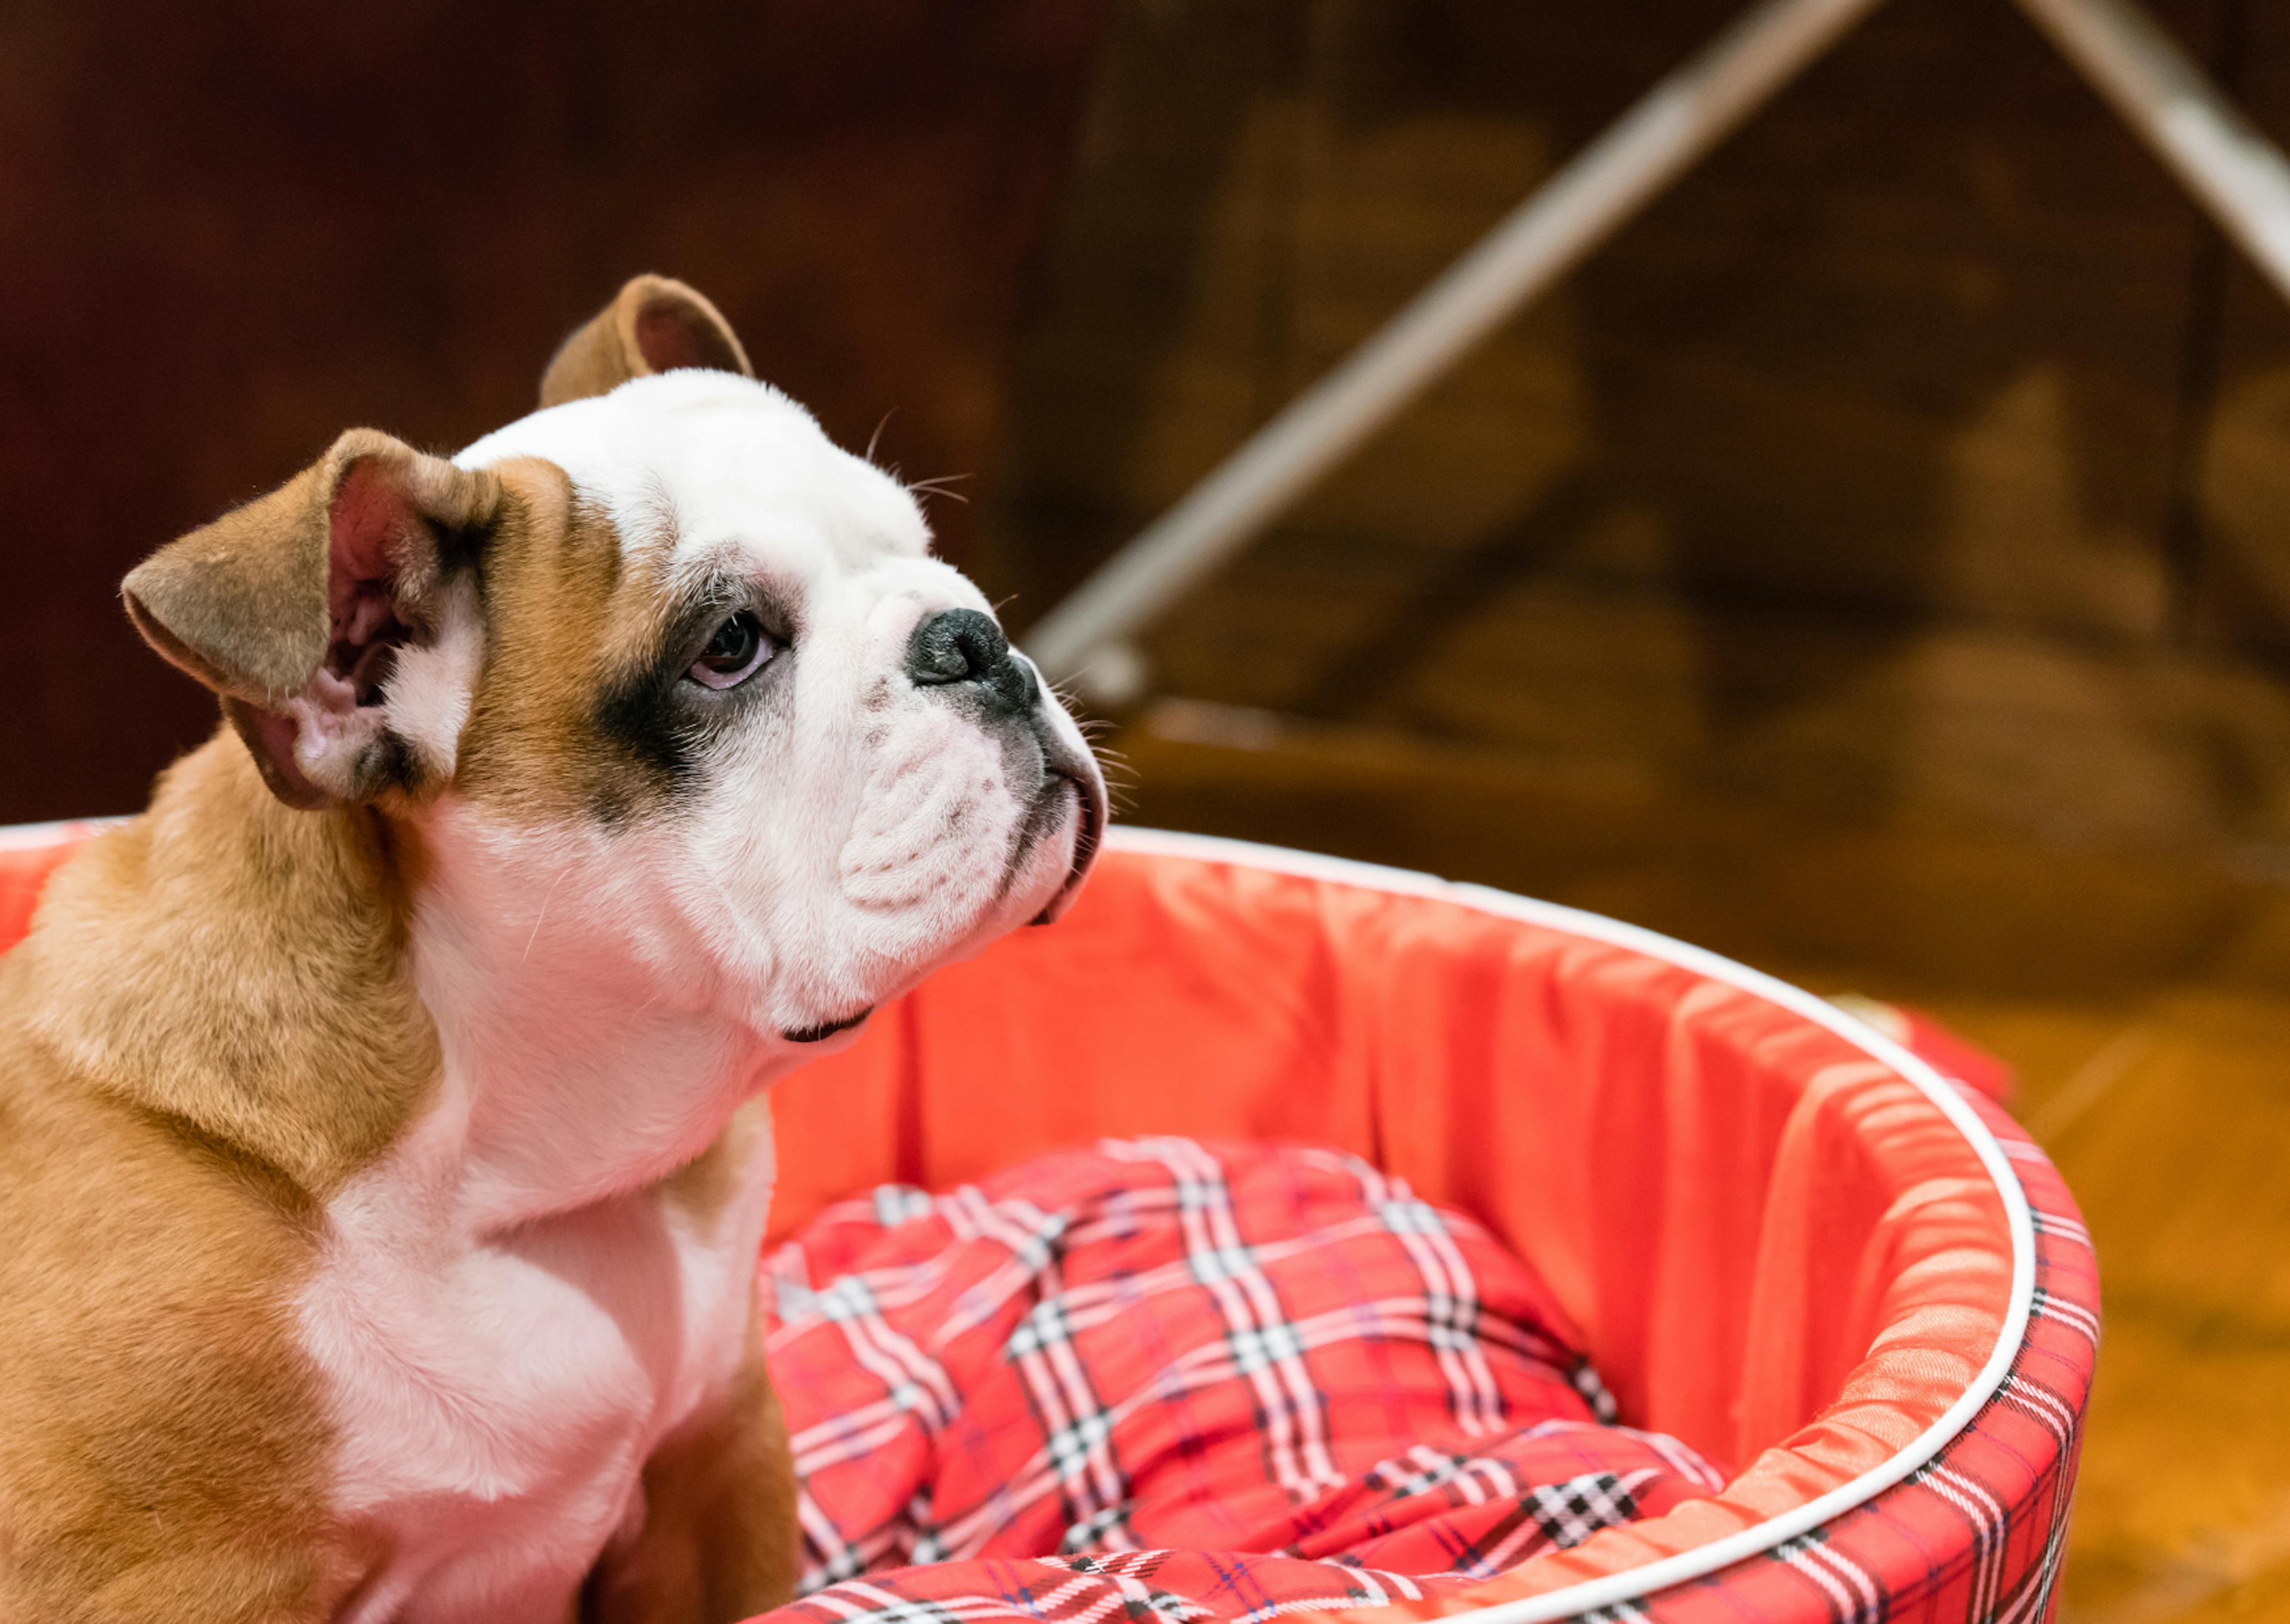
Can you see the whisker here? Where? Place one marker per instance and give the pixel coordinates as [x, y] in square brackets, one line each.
[543, 912]
[938, 485]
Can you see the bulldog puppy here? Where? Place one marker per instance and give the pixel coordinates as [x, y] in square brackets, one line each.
[384, 1158]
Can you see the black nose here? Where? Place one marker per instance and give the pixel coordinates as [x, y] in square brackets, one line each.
[962, 645]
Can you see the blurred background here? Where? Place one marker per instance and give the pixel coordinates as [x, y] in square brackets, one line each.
[1874, 565]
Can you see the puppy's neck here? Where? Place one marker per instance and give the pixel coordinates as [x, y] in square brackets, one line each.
[585, 1052]
[318, 992]
[238, 970]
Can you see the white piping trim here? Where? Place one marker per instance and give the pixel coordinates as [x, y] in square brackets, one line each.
[32, 836]
[1634, 1583]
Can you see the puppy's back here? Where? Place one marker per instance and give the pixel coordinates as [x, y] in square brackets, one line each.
[162, 1448]
[159, 1441]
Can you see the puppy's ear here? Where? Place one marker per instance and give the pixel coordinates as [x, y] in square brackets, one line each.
[657, 324]
[336, 617]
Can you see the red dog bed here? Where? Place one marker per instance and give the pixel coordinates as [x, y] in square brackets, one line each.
[1796, 1256]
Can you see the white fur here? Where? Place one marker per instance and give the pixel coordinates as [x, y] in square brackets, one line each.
[431, 684]
[507, 1316]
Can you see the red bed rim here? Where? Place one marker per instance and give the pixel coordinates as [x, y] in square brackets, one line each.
[1763, 1536]
[1147, 870]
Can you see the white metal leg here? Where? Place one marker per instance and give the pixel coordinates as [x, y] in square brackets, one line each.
[2232, 170]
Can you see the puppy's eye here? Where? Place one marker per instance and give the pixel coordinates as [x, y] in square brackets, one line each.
[740, 649]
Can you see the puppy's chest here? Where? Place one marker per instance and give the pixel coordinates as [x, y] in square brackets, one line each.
[493, 1403]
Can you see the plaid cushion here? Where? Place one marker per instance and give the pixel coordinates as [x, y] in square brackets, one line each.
[1080, 1388]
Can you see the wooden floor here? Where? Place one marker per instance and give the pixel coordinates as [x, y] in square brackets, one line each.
[2144, 1000]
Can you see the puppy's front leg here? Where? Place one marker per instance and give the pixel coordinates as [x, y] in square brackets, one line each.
[719, 1542]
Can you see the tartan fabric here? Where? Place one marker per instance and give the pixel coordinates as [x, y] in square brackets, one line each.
[1078, 1388]
[1156, 1378]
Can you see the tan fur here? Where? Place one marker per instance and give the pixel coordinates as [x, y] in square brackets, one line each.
[705, 1185]
[568, 617]
[547, 610]
[718, 1540]
[154, 946]
[655, 324]
[161, 1166]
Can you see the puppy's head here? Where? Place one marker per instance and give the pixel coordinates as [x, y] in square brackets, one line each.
[658, 659]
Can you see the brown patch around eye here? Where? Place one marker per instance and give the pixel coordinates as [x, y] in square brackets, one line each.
[638, 713]
[555, 727]
[582, 709]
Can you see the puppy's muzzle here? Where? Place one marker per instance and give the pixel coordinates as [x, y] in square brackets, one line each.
[963, 650]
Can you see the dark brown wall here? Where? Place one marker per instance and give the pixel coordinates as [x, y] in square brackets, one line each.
[228, 231]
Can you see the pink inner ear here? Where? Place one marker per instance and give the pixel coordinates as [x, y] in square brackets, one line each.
[371, 526]
[672, 334]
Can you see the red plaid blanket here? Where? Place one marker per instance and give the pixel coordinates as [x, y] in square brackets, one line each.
[1204, 1381]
